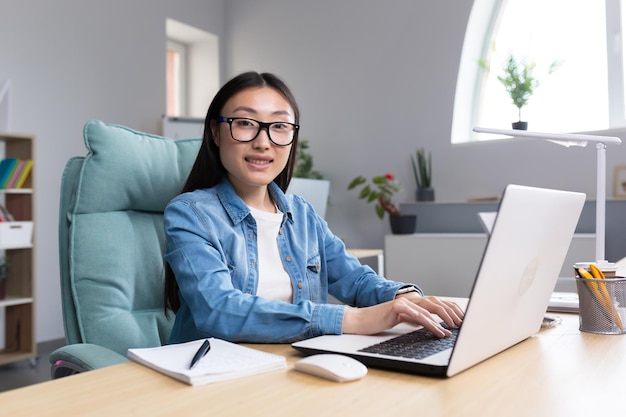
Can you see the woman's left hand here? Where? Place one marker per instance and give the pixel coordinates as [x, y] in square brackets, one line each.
[448, 311]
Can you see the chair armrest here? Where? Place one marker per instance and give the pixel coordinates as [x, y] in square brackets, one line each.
[81, 357]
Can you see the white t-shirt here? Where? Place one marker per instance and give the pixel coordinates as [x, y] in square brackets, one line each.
[274, 282]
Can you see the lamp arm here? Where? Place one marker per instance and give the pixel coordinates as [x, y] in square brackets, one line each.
[600, 202]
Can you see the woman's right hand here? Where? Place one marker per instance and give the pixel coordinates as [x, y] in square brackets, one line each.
[381, 317]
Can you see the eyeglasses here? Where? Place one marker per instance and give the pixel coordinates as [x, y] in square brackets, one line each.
[243, 129]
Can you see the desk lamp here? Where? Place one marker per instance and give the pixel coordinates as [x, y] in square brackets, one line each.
[571, 139]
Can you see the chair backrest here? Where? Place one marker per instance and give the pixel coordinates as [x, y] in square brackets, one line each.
[111, 236]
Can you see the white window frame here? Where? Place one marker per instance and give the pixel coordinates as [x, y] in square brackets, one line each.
[483, 19]
[201, 73]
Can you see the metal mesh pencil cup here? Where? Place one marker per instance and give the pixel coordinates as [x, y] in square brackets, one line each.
[602, 304]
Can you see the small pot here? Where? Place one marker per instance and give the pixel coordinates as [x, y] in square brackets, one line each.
[425, 194]
[403, 224]
[520, 125]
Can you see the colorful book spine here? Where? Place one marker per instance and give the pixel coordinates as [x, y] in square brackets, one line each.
[21, 163]
[24, 173]
[7, 166]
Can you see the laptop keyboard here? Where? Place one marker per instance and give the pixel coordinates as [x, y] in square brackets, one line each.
[418, 344]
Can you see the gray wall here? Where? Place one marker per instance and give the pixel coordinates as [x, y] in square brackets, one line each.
[73, 60]
[374, 81]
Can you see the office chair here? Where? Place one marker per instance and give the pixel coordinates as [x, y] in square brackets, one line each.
[111, 243]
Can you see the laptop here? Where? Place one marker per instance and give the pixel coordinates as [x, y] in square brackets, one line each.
[525, 250]
[560, 302]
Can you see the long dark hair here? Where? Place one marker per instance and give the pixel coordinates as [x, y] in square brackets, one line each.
[208, 171]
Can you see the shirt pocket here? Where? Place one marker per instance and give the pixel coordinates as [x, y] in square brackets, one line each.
[313, 270]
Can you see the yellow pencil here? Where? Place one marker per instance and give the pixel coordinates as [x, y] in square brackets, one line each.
[597, 273]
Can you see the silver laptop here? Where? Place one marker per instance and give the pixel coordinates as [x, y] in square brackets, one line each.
[528, 243]
[563, 302]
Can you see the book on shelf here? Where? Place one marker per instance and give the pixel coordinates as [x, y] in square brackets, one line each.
[7, 166]
[24, 172]
[14, 172]
[5, 215]
[223, 361]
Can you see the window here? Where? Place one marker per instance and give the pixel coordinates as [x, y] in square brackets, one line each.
[175, 82]
[192, 70]
[584, 94]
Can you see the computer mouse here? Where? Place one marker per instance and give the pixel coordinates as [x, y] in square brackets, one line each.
[338, 368]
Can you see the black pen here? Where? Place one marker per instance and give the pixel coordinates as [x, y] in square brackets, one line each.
[204, 349]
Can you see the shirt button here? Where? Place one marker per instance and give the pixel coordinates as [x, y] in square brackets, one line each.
[300, 285]
[288, 258]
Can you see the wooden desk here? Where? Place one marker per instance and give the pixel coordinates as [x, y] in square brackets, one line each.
[559, 372]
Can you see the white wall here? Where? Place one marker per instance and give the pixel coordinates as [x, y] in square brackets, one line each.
[375, 80]
[70, 61]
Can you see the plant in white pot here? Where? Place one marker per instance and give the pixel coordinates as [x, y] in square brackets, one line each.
[307, 182]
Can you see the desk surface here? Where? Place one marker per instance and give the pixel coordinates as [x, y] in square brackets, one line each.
[558, 372]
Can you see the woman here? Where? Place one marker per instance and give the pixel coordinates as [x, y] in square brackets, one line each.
[247, 263]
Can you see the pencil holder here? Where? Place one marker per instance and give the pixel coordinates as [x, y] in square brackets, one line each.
[602, 304]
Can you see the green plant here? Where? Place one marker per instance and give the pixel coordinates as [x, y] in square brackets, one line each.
[381, 190]
[4, 269]
[519, 80]
[422, 168]
[304, 162]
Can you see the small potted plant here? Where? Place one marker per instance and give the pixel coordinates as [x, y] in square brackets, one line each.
[4, 273]
[304, 162]
[307, 182]
[422, 170]
[381, 190]
[520, 83]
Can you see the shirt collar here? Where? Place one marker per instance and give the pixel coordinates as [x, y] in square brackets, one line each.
[238, 210]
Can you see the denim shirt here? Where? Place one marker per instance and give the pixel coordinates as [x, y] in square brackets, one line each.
[211, 247]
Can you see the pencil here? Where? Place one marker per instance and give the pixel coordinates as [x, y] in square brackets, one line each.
[599, 291]
[597, 273]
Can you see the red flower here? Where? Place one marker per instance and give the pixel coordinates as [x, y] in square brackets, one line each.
[380, 189]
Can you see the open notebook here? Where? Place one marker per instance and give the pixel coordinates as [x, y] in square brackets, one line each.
[528, 243]
[224, 361]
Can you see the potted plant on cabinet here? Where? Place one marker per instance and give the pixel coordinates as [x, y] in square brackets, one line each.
[422, 170]
[381, 189]
[4, 273]
[520, 83]
[307, 182]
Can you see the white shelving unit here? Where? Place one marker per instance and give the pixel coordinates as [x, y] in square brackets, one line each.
[18, 307]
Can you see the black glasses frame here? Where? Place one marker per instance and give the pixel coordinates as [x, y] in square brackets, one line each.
[262, 125]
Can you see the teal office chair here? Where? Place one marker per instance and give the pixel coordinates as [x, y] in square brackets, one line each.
[111, 243]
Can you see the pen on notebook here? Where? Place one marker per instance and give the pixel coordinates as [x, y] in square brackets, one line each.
[204, 349]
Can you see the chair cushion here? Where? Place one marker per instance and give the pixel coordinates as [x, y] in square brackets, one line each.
[131, 170]
[116, 239]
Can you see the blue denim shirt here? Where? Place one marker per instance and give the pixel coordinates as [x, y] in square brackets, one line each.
[212, 249]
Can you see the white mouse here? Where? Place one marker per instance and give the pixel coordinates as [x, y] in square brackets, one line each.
[339, 368]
